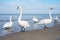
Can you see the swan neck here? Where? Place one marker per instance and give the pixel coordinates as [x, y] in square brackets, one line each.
[10, 19]
[20, 14]
[50, 14]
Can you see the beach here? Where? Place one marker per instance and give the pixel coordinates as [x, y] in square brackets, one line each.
[52, 33]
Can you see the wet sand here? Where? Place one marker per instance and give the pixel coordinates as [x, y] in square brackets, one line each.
[52, 33]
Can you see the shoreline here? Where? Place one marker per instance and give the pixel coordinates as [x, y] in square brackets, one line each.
[52, 33]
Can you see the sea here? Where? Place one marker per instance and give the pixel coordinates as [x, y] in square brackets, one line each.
[27, 17]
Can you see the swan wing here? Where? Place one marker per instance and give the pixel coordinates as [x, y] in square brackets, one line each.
[8, 24]
[24, 24]
[45, 21]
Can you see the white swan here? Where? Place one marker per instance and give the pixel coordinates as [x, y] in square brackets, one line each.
[46, 21]
[56, 18]
[8, 25]
[22, 24]
[35, 20]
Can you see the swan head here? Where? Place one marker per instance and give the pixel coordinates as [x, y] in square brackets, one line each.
[19, 7]
[51, 8]
[11, 17]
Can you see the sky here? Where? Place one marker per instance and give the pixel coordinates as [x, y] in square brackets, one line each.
[29, 6]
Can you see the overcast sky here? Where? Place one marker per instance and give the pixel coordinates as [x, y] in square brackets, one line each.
[29, 6]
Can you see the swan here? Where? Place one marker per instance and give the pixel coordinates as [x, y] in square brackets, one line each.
[35, 20]
[56, 18]
[9, 24]
[46, 21]
[21, 23]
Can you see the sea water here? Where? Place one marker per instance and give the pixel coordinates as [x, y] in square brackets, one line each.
[27, 17]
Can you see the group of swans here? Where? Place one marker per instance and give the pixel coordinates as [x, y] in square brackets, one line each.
[44, 21]
[21, 23]
[25, 24]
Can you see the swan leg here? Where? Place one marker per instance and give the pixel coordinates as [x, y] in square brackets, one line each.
[45, 26]
[22, 29]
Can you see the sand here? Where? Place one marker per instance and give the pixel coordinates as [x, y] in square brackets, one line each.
[52, 33]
